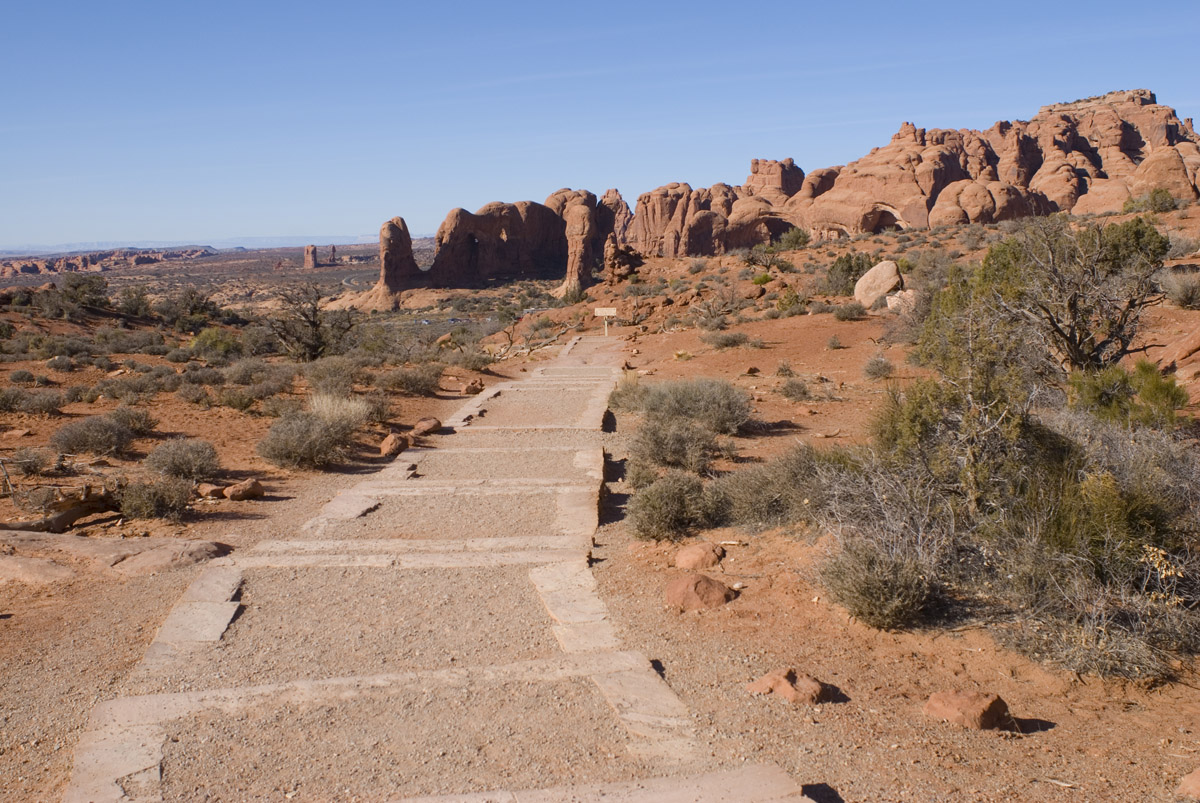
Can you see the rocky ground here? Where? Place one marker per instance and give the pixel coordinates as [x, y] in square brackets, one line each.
[71, 644]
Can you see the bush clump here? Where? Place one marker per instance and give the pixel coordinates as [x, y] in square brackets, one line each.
[795, 390]
[669, 508]
[96, 434]
[32, 461]
[675, 442]
[1183, 289]
[333, 376]
[166, 498]
[316, 437]
[881, 589]
[852, 311]
[845, 271]
[713, 403]
[135, 419]
[878, 367]
[190, 459]
[420, 380]
[725, 340]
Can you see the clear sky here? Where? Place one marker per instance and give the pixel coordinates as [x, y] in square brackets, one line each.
[198, 121]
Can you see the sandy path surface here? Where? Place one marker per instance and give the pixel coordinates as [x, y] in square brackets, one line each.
[433, 632]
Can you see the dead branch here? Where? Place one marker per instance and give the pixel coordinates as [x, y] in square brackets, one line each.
[69, 508]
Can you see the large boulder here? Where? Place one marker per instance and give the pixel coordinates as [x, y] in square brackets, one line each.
[877, 283]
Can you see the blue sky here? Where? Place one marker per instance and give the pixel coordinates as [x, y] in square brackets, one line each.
[198, 121]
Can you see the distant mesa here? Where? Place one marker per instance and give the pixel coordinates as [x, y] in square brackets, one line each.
[1088, 156]
[95, 261]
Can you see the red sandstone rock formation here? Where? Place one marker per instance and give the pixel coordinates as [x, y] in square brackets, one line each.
[500, 241]
[397, 268]
[310, 257]
[1086, 156]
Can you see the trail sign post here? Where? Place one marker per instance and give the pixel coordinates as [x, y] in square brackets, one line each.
[606, 313]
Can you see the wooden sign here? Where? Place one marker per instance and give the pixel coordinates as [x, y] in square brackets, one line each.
[606, 313]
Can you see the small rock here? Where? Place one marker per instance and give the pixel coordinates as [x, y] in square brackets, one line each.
[702, 555]
[16, 433]
[971, 709]
[425, 426]
[475, 386]
[693, 592]
[796, 689]
[1189, 786]
[207, 490]
[393, 445]
[752, 370]
[247, 489]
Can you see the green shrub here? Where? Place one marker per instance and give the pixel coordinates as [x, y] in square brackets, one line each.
[32, 461]
[786, 490]
[178, 355]
[1144, 396]
[136, 420]
[60, 363]
[379, 407]
[421, 380]
[216, 342]
[795, 390]
[712, 403]
[97, 434]
[834, 343]
[1184, 290]
[301, 440]
[195, 394]
[878, 367]
[669, 508]
[42, 402]
[166, 498]
[1180, 246]
[674, 442]
[333, 375]
[883, 590]
[852, 311]
[639, 474]
[197, 375]
[237, 399]
[191, 459]
[790, 301]
[794, 239]
[785, 369]
[845, 271]
[1158, 199]
[629, 393]
[761, 278]
[472, 359]
[21, 377]
[725, 340]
